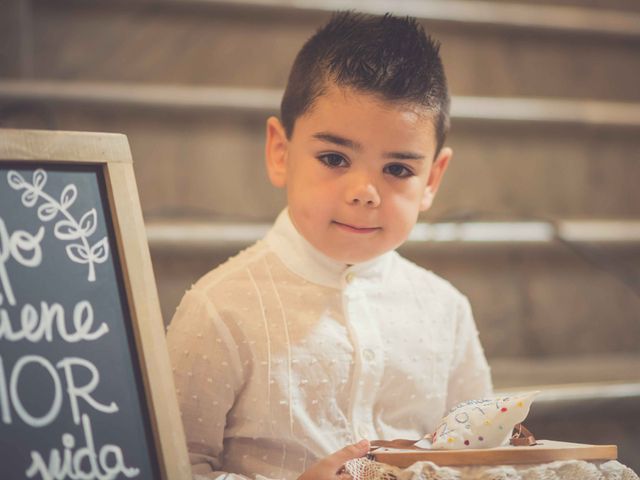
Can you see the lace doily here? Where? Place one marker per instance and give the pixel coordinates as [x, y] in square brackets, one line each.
[365, 469]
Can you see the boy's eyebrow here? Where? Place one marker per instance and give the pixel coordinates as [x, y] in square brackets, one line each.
[338, 140]
[353, 145]
[403, 155]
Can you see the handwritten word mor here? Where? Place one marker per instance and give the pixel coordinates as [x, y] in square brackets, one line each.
[10, 397]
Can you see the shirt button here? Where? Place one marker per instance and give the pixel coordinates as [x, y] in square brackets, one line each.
[368, 354]
[349, 277]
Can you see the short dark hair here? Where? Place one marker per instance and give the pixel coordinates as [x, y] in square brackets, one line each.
[388, 56]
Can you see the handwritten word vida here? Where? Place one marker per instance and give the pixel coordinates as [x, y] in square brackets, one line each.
[24, 248]
[36, 325]
[83, 463]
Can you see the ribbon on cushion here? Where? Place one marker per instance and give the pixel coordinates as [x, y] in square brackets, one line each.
[522, 437]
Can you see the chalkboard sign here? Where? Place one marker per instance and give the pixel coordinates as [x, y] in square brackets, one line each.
[85, 385]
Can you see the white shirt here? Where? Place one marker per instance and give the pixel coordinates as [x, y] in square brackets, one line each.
[282, 356]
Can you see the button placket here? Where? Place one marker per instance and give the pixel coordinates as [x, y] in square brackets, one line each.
[367, 371]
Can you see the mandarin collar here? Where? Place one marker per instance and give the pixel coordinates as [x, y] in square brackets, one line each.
[305, 260]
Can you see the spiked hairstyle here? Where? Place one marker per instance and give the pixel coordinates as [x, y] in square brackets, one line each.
[388, 56]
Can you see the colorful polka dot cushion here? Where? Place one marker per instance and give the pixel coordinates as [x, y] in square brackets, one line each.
[483, 423]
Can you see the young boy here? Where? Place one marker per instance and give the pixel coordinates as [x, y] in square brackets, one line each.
[321, 334]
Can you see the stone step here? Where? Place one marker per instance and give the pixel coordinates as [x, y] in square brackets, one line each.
[490, 49]
[530, 299]
[564, 300]
[198, 235]
[618, 5]
[569, 379]
[515, 158]
[262, 101]
[543, 16]
[535, 293]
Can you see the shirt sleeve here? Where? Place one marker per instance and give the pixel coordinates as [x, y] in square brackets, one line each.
[470, 376]
[208, 375]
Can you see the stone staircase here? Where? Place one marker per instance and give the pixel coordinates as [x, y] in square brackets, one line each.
[538, 221]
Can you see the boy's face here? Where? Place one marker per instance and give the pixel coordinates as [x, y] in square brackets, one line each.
[357, 170]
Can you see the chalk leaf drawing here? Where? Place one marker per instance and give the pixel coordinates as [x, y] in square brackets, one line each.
[67, 228]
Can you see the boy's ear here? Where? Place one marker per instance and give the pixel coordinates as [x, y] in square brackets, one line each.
[276, 152]
[438, 168]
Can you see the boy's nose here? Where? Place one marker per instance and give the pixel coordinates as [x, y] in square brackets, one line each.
[364, 194]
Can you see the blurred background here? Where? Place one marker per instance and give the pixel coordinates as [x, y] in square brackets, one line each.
[538, 220]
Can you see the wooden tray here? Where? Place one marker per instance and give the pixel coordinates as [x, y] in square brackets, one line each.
[543, 452]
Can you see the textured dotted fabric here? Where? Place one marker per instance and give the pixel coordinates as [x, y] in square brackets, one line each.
[282, 356]
[363, 469]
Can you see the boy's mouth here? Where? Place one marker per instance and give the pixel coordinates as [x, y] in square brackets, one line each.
[355, 229]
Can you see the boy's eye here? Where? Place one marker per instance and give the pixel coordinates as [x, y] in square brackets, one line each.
[398, 170]
[333, 160]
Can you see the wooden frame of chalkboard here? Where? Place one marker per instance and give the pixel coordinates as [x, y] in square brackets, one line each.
[109, 155]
